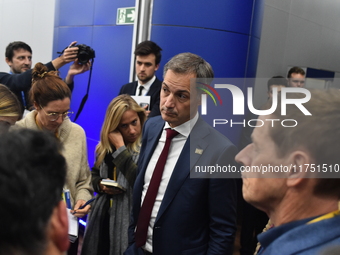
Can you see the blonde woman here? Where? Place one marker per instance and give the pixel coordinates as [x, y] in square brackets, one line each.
[116, 157]
[10, 109]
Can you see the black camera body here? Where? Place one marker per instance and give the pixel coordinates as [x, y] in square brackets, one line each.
[85, 53]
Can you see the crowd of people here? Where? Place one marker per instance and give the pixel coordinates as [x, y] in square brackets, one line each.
[145, 200]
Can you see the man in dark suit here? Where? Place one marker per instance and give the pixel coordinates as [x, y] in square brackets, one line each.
[148, 56]
[19, 59]
[188, 215]
[298, 184]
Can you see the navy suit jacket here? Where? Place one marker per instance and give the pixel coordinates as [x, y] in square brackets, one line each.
[20, 82]
[197, 215]
[154, 93]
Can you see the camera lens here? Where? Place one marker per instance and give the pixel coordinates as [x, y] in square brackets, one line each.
[83, 57]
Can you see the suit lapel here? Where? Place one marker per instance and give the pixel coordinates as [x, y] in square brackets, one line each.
[154, 88]
[186, 161]
[152, 140]
[133, 88]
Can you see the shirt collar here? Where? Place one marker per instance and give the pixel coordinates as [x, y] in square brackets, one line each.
[185, 128]
[147, 85]
[266, 238]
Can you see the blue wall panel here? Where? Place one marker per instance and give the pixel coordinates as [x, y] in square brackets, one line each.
[66, 35]
[111, 66]
[75, 12]
[222, 15]
[110, 72]
[226, 52]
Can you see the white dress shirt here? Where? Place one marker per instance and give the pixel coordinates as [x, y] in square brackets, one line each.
[175, 150]
[146, 86]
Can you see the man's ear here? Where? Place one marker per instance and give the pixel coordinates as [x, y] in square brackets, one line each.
[157, 66]
[300, 162]
[59, 227]
[9, 62]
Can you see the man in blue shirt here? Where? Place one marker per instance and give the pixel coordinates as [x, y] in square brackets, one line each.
[290, 171]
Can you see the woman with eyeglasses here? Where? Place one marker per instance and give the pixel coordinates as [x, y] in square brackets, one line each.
[10, 109]
[51, 98]
[116, 156]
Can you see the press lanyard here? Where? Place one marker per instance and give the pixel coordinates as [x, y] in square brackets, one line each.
[325, 216]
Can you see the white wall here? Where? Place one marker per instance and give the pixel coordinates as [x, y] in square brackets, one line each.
[30, 21]
[302, 33]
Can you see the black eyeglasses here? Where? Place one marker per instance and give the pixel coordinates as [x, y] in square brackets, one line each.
[53, 116]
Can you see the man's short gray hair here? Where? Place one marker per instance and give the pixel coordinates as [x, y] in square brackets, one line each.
[189, 63]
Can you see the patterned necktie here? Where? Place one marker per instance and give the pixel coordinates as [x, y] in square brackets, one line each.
[150, 197]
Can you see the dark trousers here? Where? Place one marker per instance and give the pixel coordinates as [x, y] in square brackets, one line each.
[73, 249]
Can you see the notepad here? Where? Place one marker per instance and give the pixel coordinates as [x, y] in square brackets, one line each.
[112, 184]
[72, 226]
[142, 101]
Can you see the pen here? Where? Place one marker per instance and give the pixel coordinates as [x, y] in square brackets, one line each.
[83, 206]
[67, 198]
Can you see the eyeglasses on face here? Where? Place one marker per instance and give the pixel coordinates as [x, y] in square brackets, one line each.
[53, 116]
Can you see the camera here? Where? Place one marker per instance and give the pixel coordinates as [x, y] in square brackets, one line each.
[85, 53]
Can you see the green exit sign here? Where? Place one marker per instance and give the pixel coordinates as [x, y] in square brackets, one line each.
[125, 15]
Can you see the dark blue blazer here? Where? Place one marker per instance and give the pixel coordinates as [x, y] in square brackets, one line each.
[197, 215]
[154, 93]
[20, 82]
